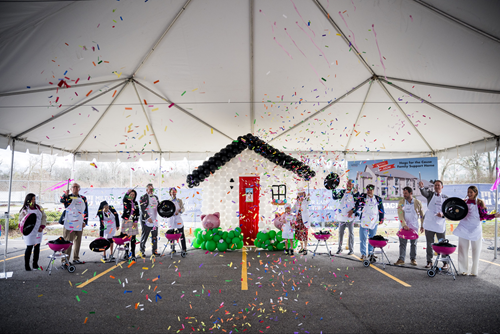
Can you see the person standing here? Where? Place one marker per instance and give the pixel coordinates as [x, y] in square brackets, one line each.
[470, 231]
[75, 219]
[287, 229]
[109, 224]
[149, 219]
[35, 237]
[175, 222]
[302, 219]
[371, 210]
[409, 211]
[348, 199]
[434, 222]
[130, 219]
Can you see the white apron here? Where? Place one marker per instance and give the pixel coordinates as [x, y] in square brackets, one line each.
[470, 227]
[73, 221]
[411, 216]
[175, 221]
[287, 228]
[369, 218]
[432, 222]
[152, 211]
[346, 204]
[109, 225]
[34, 237]
[127, 225]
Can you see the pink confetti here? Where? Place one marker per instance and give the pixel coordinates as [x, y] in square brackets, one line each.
[296, 22]
[411, 18]
[171, 105]
[283, 48]
[302, 18]
[380, 54]
[355, 6]
[495, 185]
[353, 37]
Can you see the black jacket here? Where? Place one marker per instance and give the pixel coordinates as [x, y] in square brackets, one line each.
[100, 214]
[360, 204]
[144, 205]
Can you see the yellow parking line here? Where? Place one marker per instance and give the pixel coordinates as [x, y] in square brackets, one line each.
[15, 257]
[97, 276]
[244, 281]
[386, 274]
[496, 264]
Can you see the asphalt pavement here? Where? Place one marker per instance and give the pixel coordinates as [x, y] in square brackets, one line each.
[205, 292]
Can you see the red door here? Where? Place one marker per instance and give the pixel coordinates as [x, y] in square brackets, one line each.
[249, 207]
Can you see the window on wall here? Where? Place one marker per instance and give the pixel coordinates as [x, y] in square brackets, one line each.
[396, 181]
[278, 192]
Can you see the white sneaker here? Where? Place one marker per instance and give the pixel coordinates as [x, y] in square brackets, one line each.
[104, 257]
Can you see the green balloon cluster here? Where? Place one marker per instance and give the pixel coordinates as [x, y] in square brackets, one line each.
[272, 241]
[216, 239]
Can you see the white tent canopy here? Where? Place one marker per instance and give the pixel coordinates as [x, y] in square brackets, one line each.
[185, 78]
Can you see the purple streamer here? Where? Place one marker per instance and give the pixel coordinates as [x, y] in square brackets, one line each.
[376, 41]
[495, 186]
[353, 37]
[302, 18]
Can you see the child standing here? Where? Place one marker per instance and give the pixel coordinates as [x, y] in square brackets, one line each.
[109, 224]
[288, 233]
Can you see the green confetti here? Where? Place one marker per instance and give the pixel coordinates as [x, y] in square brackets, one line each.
[77, 298]
[323, 79]
[183, 93]
[228, 280]
[92, 312]
[84, 291]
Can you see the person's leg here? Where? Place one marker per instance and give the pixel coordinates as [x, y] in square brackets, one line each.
[154, 236]
[463, 255]
[429, 238]
[371, 233]
[441, 235]
[133, 241]
[341, 234]
[111, 248]
[350, 226]
[402, 249]
[413, 249]
[183, 239]
[27, 256]
[77, 244]
[144, 237]
[36, 255]
[363, 233]
[476, 251]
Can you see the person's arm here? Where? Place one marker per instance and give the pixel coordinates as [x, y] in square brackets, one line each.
[420, 211]
[86, 212]
[144, 201]
[483, 212]
[358, 206]
[338, 194]
[44, 218]
[126, 210]
[22, 214]
[66, 200]
[427, 194]
[380, 210]
[101, 223]
[401, 213]
[181, 206]
[117, 217]
[136, 212]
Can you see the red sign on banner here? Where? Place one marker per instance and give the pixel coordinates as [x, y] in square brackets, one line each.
[383, 168]
[379, 164]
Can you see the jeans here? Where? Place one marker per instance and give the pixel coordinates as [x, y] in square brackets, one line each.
[402, 249]
[350, 226]
[364, 233]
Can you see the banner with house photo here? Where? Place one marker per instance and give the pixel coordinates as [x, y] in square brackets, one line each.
[391, 176]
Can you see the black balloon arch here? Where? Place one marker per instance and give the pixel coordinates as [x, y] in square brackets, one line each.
[258, 146]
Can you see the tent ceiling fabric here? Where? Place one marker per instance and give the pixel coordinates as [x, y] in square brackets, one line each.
[185, 78]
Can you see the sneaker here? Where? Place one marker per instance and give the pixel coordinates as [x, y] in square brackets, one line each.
[301, 250]
[291, 251]
[173, 251]
[156, 254]
[287, 252]
[413, 262]
[363, 257]
[78, 262]
[111, 259]
[304, 252]
[133, 258]
[104, 258]
[445, 266]
[429, 264]
[350, 253]
[399, 262]
[339, 251]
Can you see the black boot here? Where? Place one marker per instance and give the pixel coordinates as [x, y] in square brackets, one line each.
[27, 256]
[286, 251]
[36, 255]
[291, 251]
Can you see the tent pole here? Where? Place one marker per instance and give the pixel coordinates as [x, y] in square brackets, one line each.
[252, 107]
[7, 216]
[436, 107]
[478, 90]
[322, 109]
[496, 200]
[159, 175]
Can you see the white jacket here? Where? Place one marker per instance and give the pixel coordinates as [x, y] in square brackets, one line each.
[304, 207]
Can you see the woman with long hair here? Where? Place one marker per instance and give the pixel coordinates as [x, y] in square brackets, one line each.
[302, 223]
[32, 212]
[130, 218]
[470, 232]
[175, 222]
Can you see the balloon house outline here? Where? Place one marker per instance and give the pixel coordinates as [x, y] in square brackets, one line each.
[248, 162]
